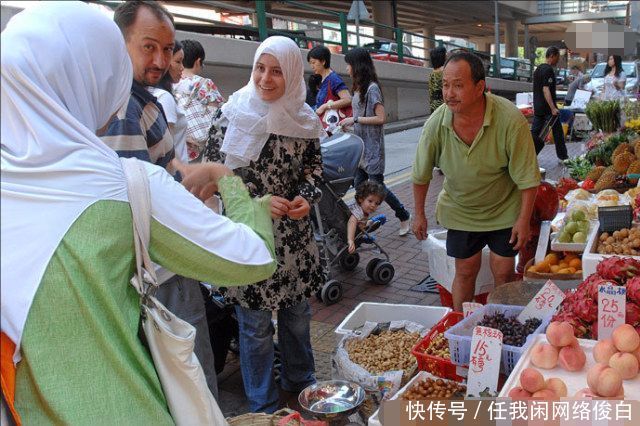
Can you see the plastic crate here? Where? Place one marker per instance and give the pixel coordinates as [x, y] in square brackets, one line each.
[435, 365]
[459, 336]
[614, 218]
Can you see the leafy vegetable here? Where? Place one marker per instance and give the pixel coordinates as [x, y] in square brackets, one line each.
[604, 115]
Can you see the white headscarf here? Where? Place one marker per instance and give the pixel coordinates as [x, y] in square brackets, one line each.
[252, 120]
[65, 71]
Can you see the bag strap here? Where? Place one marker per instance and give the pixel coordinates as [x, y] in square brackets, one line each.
[140, 202]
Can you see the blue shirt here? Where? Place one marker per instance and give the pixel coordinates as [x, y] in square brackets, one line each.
[140, 129]
[336, 84]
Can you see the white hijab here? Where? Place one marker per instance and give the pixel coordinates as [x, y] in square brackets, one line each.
[252, 120]
[65, 71]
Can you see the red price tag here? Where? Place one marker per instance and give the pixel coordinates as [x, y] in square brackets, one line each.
[544, 302]
[612, 301]
[484, 360]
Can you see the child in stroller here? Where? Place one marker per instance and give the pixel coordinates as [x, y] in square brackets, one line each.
[369, 196]
[341, 154]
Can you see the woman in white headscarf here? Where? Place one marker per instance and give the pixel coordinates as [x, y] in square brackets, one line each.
[68, 311]
[270, 137]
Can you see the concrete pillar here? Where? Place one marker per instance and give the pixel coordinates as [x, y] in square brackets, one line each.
[527, 45]
[511, 39]
[383, 14]
[428, 43]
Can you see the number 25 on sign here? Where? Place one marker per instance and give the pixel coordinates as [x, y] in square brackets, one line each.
[611, 309]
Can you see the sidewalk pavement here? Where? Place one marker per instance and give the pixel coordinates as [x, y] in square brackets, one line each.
[411, 267]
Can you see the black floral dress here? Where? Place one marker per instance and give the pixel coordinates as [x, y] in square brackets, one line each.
[287, 167]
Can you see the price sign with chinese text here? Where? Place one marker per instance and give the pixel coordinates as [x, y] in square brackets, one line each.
[543, 303]
[470, 307]
[611, 309]
[484, 361]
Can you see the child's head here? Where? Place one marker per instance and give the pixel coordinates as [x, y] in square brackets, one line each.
[369, 195]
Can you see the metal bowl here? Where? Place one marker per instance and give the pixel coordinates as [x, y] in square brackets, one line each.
[331, 399]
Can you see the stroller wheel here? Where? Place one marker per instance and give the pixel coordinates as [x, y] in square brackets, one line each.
[383, 273]
[349, 261]
[331, 292]
[371, 266]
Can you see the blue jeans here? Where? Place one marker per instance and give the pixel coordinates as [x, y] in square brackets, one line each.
[401, 213]
[256, 354]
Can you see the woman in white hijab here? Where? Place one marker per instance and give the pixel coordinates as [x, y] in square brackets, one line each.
[67, 239]
[270, 137]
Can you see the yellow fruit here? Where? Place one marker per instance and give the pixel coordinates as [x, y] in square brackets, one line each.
[554, 269]
[575, 263]
[572, 269]
[565, 271]
[543, 267]
[570, 256]
[563, 264]
[552, 259]
[532, 269]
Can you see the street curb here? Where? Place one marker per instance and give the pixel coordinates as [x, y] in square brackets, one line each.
[398, 126]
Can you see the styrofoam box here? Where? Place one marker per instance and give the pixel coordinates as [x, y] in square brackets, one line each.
[575, 380]
[375, 420]
[590, 257]
[385, 312]
[443, 268]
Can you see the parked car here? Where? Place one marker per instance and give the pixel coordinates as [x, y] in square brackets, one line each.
[513, 69]
[387, 51]
[631, 70]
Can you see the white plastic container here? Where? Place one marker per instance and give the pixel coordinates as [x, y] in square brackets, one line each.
[591, 258]
[443, 268]
[575, 381]
[427, 316]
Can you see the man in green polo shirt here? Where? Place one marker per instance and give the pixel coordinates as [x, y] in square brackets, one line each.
[483, 146]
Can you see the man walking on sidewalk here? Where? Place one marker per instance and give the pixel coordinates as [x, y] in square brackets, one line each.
[482, 144]
[544, 104]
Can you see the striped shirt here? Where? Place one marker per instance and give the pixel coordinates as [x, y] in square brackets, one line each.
[140, 129]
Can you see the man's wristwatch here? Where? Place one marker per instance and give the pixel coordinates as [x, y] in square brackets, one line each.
[355, 119]
[330, 104]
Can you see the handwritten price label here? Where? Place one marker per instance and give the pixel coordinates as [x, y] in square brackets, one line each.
[470, 307]
[611, 309]
[484, 361]
[544, 302]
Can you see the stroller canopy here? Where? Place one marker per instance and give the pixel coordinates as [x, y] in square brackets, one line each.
[341, 154]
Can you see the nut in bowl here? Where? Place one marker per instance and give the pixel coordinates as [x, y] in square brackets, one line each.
[331, 399]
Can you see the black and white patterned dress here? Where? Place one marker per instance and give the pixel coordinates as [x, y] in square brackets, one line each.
[287, 167]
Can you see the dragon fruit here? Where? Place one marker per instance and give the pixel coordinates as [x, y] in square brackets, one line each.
[594, 330]
[632, 314]
[589, 287]
[586, 310]
[633, 289]
[618, 269]
[580, 330]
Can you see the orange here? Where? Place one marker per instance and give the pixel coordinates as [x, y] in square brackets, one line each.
[565, 271]
[532, 269]
[572, 269]
[543, 267]
[552, 258]
[554, 269]
[570, 256]
[576, 263]
[563, 264]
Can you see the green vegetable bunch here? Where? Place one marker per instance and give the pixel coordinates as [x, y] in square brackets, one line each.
[578, 167]
[604, 115]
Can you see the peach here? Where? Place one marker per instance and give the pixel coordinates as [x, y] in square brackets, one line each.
[609, 383]
[519, 393]
[545, 394]
[603, 350]
[572, 358]
[560, 334]
[625, 363]
[594, 374]
[544, 356]
[626, 338]
[585, 393]
[637, 354]
[531, 380]
[557, 386]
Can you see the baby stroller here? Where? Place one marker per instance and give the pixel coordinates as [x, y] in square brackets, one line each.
[341, 154]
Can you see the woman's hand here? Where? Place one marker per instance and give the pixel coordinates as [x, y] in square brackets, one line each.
[321, 109]
[279, 207]
[352, 247]
[202, 179]
[299, 208]
[347, 122]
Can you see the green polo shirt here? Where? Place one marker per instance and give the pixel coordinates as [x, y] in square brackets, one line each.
[483, 182]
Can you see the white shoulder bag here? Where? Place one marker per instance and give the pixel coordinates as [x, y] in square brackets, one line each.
[170, 339]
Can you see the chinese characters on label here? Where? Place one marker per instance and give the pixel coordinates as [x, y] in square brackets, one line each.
[484, 361]
[611, 309]
[544, 302]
